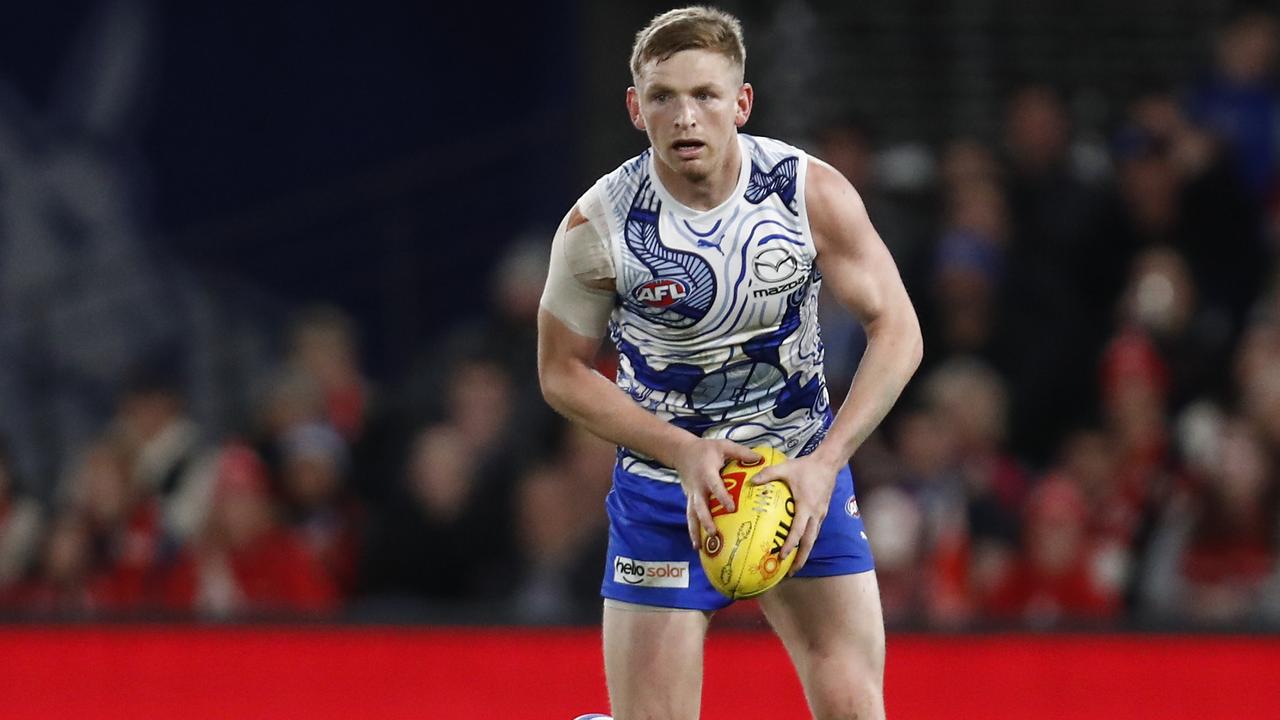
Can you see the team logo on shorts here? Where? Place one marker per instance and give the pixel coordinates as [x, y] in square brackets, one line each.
[657, 573]
[851, 507]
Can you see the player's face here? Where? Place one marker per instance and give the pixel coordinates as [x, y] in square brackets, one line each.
[691, 105]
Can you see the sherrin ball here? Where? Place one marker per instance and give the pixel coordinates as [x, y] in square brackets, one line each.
[744, 558]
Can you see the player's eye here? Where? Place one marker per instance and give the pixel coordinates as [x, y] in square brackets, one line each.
[704, 96]
[660, 97]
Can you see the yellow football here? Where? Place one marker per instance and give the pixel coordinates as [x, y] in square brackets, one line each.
[744, 558]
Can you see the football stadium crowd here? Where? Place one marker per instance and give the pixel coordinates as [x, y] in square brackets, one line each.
[1093, 439]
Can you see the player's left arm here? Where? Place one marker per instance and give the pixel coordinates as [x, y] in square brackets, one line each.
[857, 267]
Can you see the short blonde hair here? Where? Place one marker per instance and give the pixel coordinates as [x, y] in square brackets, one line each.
[692, 28]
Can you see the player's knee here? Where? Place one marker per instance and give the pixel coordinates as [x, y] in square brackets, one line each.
[861, 700]
[863, 662]
[873, 662]
[856, 691]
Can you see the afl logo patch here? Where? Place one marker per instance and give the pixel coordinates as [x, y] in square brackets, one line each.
[775, 265]
[712, 545]
[660, 292]
[851, 507]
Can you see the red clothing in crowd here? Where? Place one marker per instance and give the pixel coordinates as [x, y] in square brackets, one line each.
[1029, 593]
[275, 573]
[130, 580]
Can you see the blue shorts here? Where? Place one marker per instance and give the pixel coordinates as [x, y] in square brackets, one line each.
[650, 560]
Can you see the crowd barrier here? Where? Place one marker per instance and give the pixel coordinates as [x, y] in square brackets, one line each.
[153, 671]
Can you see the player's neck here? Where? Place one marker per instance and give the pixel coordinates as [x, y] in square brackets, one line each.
[708, 192]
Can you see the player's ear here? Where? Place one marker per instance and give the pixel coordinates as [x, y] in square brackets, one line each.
[746, 98]
[633, 108]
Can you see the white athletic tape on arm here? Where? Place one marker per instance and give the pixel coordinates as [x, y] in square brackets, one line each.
[587, 250]
[578, 256]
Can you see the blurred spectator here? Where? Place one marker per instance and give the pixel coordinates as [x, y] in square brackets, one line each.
[549, 529]
[928, 446]
[323, 347]
[21, 524]
[1057, 577]
[445, 535]
[1088, 460]
[479, 403]
[966, 160]
[1135, 389]
[1060, 273]
[1238, 100]
[1135, 406]
[1231, 550]
[1162, 300]
[562, 531]
[245, 562]
[318, 503]
[1257, 375]
[1055, 205]
[1216, 544]
[128, 550]
[896, 526]
[970, 269]
[290, 399]
[966, 486]
[321, 383]
[1177, 189]
[168, 454]
[975, 401]
[60, 585]
[506, 339]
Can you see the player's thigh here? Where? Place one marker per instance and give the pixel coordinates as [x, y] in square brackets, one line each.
[833, 628]
[653, 661]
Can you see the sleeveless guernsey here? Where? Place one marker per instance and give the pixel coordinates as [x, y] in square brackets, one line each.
[715, 317]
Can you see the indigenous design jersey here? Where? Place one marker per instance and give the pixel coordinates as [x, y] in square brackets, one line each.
[716, 312]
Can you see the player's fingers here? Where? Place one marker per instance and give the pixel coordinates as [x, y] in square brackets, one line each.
[721, 493]
[798, 525]
[703, 514]
[691, 519]
[740, 452]
[806, 545]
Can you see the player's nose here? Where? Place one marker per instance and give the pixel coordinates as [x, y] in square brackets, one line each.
[685, 116]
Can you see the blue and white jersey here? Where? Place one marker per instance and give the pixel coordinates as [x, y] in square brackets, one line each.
[716, 317]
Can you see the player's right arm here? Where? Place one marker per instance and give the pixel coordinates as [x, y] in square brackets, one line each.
[572, 319]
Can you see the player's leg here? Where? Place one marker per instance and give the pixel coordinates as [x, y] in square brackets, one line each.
[829, 617]
[653, 661]
[657, 604]
[833, 630]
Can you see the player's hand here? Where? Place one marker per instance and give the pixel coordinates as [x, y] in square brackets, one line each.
[698, 463]
[811, 481]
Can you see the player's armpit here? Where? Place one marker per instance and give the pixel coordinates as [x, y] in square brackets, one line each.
[579, 289]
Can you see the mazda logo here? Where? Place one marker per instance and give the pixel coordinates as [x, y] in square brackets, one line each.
[775, 265]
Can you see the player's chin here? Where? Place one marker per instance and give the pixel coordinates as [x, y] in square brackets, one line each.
[693, 170]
